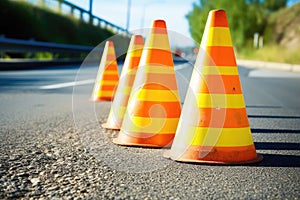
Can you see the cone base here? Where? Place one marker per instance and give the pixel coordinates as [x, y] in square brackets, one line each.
[255, 160]
[108, 126]
[129, 144]
[101, 99]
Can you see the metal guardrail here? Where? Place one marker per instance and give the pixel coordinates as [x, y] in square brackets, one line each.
[106, 23]
[18, 45]
[72, 53]
[100, 22]
[9, 45]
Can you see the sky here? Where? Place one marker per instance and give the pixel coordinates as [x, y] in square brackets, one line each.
[143, 12]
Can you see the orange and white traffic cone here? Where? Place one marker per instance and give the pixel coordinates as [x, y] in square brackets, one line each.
[107, 76]
[154, 108]
[213, 126]
[119, 104]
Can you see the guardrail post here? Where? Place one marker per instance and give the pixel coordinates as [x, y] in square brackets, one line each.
[90, 12]
[81, 15]
[72, 11]
[91, 19]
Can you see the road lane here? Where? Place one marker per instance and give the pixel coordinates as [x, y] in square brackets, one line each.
[67, 84]
[52, 144]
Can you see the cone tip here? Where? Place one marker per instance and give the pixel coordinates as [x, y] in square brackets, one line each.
[109, 43]
[218, 12]
[218, 18]
[138, 39]
[159, 23]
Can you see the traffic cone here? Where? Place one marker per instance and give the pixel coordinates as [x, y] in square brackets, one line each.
[154, 108]
[213, 126]
[118, 107]
[107, 76]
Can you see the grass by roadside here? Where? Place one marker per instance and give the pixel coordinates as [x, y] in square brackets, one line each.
[281, 38]
[271, 53]
[24, 21]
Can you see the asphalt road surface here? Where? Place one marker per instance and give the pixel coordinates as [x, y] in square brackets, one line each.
[52, 144]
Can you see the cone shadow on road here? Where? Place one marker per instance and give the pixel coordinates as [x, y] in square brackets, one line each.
[277, 160]
[273, 117]
[270, 160]
[277, 146]
[263, 130]
[253, 106]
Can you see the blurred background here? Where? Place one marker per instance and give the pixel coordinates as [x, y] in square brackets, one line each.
[267, 30]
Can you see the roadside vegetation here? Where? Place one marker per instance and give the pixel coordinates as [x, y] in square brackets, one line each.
[22, 20]
[277, 24]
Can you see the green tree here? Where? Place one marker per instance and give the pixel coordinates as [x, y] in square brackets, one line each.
[197, 19]
[274, 5]
[245, 17]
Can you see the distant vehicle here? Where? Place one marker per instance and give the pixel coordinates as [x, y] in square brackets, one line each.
[178, 53]
[196, 50]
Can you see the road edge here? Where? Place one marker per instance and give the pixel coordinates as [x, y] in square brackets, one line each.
[269, 65]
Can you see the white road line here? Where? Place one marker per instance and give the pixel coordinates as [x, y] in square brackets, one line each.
[68, 84]
[89, 81]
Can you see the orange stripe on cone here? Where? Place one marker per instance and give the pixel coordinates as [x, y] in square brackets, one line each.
[110, 77]
[221, 55]
[116, 114]
[108, 87]
[157, 109]
[213, 125]
[135, 61]
[218, 84]
[153, 109]
[106, 80]
[156, 55]
[223, 117]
